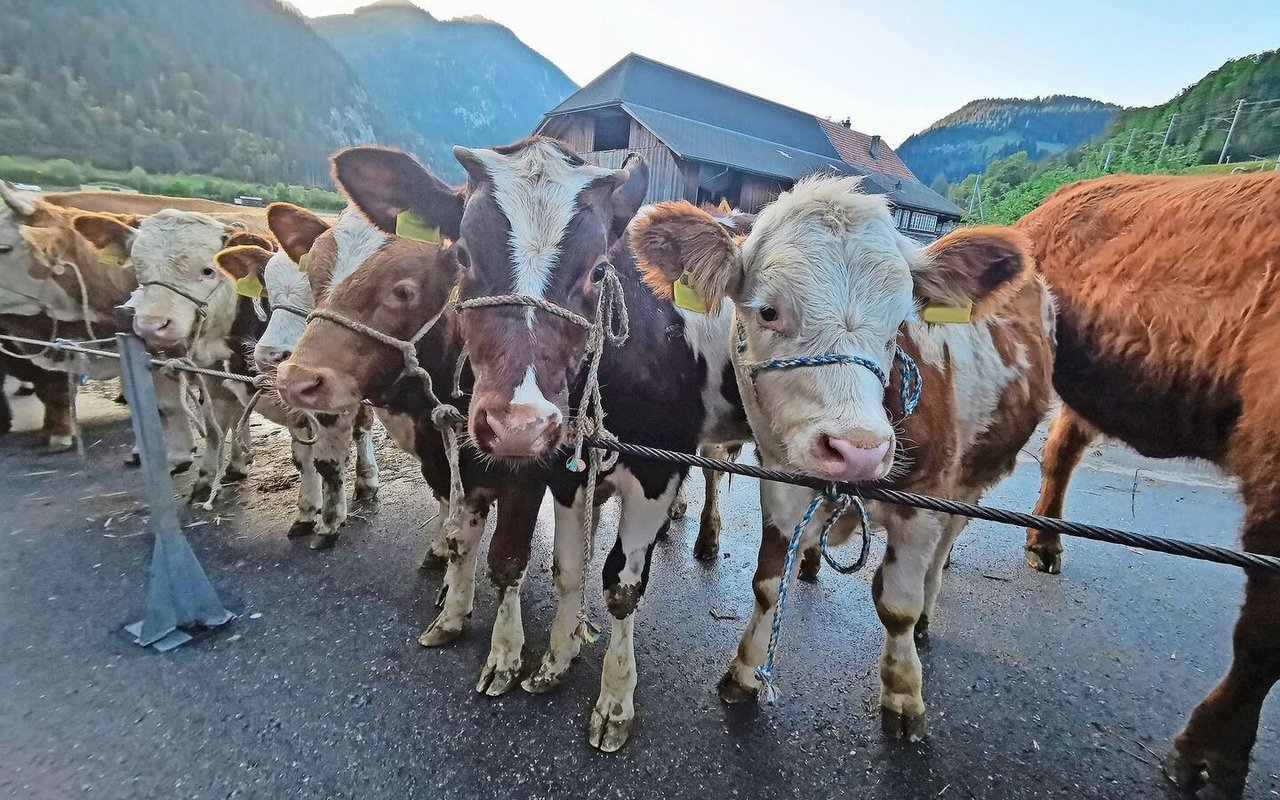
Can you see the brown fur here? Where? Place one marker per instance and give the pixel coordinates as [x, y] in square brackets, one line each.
[1168, 330]
[674, 238]
[243, 260]
[987, 265]
[295, 228]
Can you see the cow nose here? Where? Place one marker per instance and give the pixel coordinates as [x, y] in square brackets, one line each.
[517, 431]
[299, 387]
[268, 357]
[152, 327]
[843, 460]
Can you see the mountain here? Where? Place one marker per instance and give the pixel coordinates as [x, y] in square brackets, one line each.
[465, 81]
[966, 140]
[236, 88]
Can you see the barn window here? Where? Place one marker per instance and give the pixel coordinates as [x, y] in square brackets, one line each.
[612, 132]
[920, 221]
[900, 216]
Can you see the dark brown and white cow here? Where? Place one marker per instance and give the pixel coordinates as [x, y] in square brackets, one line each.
[537, 221]
[824, 271]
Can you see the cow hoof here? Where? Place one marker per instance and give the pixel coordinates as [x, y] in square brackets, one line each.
[679, 507]
[366, 494]
[1196, 777]
[810, 566]
[200, 491]
[176, 468]
[922, 631]
[438, 635]
[906, 727]
[609, 730]
[707, 545]
[59, 444]
[544, 680]
[324, 541]
[495, 681]
[735, 693]
[301, 527]
[234, 475]
[1044, 561]
[5, 426]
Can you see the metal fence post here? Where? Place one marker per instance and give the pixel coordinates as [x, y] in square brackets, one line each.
[179, 594]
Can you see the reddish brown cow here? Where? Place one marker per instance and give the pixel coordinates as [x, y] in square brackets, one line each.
[1167, 333]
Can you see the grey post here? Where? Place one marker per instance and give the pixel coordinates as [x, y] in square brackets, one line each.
[179, 594]
[1231, 132]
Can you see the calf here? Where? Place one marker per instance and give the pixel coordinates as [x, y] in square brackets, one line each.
[824, 272]
[1167, 333]
[538, 223]
[321, 460]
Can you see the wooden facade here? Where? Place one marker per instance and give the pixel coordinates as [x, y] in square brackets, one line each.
[670, 177]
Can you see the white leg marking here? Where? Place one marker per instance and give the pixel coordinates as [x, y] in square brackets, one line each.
[459, 587]
[502, 667]
[566, 572]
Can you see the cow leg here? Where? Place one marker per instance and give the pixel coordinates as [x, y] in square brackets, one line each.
[626, 573]
[508, 561]
[567, 574]
[707, 546]
[915, 545]
[457, 593]
[332, 453]
[178, 440]
[436, 555]
[952, 528]
[221, 411]
[6, 413]
[241, 456]
[1069, 437]
[58, 395]
[367, 483]
[679, 506]
[309, 490]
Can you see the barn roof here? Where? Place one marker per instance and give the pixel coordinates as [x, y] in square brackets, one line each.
[702, 120]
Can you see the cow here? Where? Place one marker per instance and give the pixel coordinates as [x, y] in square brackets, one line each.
[1166, 288]
[537, 221]
[54, 284]
[322, 459]
[824, 271]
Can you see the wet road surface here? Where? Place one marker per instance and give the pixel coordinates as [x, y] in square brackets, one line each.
[1038, 686]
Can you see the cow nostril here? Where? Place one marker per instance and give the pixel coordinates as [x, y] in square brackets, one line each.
[825, 450]
[484, 427]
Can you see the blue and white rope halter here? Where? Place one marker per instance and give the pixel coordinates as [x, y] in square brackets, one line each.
[912, 384]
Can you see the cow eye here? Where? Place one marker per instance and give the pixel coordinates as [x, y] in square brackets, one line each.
[464, 258]
[404, 292]
[769, 314]
[207, 272]
[597, 274]
[6, 248]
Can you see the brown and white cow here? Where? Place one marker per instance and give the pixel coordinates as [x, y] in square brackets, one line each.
[1168, 328]
[321, 458]
[825, 271]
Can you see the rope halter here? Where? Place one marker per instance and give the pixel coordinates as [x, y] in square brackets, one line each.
[613, 325]
[912, 385]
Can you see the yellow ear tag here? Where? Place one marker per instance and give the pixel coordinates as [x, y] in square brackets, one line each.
[686, 297]
[410, 226]
[111, 256]
[249, 286]
[936, 312]
[454, 293]
[302, 262]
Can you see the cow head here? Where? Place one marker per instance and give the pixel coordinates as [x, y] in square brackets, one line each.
[824, 271]
[534, 220]
[393, 285]
[21, 292]
[179, 283]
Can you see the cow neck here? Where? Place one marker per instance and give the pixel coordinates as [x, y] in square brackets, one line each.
[438, 352]
[247, 327]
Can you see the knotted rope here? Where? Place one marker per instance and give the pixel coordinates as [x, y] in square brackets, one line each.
[611, 325]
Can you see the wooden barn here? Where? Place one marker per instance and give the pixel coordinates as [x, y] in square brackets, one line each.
[707, 142]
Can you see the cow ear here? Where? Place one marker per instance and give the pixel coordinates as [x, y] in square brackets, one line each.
[242, 261]
[103, 231]
[629, 196]
[296, 228]
[40, 241]
[21, 203]
[679, 242]
[384, 183]
[248, 238]
[973, 266]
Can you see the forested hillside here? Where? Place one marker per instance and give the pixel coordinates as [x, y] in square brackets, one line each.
[465, 81]
[237, 88]
[968, 139]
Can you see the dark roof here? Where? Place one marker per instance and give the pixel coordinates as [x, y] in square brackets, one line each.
[702, 120]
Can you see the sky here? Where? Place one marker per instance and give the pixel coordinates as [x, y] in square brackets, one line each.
[892, 67]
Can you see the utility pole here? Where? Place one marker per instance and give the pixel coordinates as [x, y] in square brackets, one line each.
[1231, 132]
[1128, 146]
[1106, 166]
[1167, 134]
[973, 198]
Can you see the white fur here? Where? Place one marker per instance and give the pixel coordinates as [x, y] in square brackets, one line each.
[356, 241]
[285, 284]
[20, 293]
[537, 189]
[529, 395]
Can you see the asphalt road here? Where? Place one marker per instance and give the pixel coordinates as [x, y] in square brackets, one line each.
[1039, 686]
